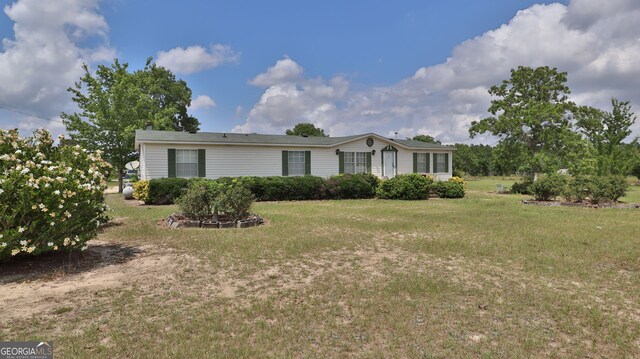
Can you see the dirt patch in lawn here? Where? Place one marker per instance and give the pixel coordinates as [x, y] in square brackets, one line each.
[40, 285]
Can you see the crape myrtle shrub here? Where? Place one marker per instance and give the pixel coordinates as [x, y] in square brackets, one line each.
[406, 187]
[598, 189]
[234, 200]
[51, 197]
[548, 187]
[607, 188]
[199, 200]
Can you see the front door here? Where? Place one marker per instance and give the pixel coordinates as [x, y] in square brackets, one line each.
[389, 164]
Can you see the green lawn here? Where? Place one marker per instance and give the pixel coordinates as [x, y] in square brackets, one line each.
[483, 276]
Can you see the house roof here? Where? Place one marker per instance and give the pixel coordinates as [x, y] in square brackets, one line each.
[153, 136]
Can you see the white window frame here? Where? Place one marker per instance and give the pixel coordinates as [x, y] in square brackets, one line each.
[422, 162]
[355, 162]
[440, 163]
[296, 163]
[186, 163]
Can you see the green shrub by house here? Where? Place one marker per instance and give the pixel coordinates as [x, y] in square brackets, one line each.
[351, 186]
[51, 197]
[406, 187]
[166, 190]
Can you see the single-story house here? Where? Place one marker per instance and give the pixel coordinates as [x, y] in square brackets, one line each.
[213, 155]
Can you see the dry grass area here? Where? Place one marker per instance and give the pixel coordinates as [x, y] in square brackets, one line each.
[482, 276]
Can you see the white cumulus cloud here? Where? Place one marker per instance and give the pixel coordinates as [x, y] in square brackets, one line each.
[285, 70]
[596, 42]
[45, 56]
[202, 102]
[196, 58]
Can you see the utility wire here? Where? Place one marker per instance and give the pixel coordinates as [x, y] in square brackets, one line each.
[27, 113]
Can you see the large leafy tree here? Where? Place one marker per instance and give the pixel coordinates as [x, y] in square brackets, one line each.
[531, 116]
[306, 129]
[606, 132]
[114, 102]
[168, 98]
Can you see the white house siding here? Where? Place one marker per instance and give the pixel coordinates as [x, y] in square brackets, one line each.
[244, 160]
[142, 168]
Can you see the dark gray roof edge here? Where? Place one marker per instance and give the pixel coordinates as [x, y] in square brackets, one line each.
[254, 139]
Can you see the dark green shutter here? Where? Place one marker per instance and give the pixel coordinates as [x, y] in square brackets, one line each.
[446, 161]
[435, 162]
[172, 162]
[202, 169]
[285, 163]
[341, 162]
[415, 162]
[307, 163]
[368, 162]
[428, 164]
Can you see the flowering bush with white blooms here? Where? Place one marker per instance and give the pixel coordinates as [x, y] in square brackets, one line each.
[51, 197]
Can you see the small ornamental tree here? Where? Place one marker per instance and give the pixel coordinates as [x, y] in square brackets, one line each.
[51, 197]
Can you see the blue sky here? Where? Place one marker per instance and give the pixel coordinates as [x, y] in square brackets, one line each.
[348, 66]
[370, 42]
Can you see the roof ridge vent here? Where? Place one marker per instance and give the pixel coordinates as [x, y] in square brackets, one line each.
[305, 135]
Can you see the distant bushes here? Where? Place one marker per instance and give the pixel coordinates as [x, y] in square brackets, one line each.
[522, 187]
[453, 188]
[597, 189]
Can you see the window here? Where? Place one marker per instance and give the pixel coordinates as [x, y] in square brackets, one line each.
[296, 163]
[440, 162]
[422, 160]
[186, 163]
[355, 162]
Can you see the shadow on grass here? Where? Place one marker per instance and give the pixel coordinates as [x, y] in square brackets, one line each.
[54, 265]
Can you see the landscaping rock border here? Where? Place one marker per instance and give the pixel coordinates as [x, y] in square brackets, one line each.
[581, 204]
[179, 221]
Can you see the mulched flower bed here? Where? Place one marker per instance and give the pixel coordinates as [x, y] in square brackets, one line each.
[180, 221]
[582, 204]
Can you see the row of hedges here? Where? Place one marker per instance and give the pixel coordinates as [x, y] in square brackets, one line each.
[348, 186]
[597, 189]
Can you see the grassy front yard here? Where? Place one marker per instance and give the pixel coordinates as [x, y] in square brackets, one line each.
[484, 276]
